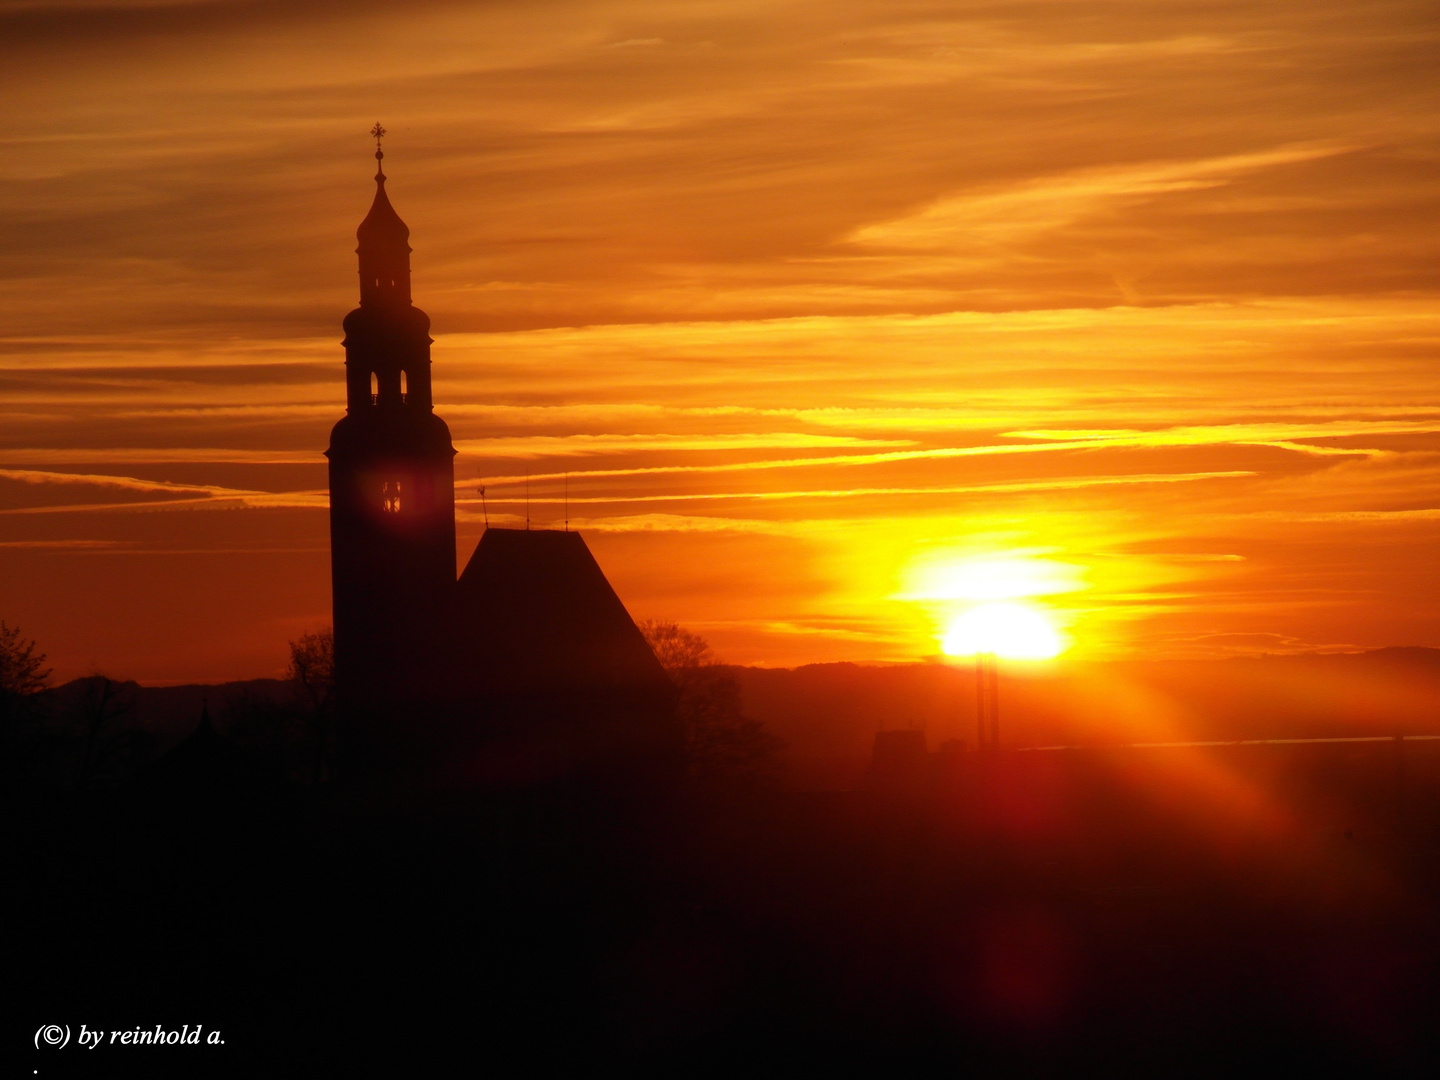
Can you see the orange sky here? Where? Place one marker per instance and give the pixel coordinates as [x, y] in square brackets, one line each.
[807, 298]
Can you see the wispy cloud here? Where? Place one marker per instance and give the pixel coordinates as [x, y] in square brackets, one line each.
[679, 523]
[168, 495]
[1022, 211]
[873, 492]
[1109, 440]
[62, 545]
[114, 455]
[585, 445]
[129, 483]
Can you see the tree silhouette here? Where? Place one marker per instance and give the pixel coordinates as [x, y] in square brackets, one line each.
[721, 743]
[312, 669]
[23, 674]
[676, 648]
[105, 706]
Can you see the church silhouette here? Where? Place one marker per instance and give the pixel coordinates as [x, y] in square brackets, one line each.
[530, 648]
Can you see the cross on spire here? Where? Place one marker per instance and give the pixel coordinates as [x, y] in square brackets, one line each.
[378, 133]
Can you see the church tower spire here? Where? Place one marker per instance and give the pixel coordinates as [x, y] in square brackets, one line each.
[392, 480]
[384, 245]
[387, 339]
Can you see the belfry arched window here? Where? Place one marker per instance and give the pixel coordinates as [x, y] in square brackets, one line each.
[390, 497]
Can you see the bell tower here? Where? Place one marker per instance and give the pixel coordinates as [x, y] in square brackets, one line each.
[392, 482]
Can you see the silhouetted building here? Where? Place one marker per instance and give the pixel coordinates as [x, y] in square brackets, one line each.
[899, 762]
[392, 473]
[204, 771]
[532, 633]
[535, 614]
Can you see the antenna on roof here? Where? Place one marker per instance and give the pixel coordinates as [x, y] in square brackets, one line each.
[527, 502]
[567, 502]
[483, 507]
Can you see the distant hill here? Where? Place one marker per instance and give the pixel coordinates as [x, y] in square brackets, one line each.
[170, 712]
[828, 714]
[143, 724]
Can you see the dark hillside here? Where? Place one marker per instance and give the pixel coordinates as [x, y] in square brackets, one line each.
[828, 714]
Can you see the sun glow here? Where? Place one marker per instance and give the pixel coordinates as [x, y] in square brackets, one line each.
[995, 578]
[1009, 630]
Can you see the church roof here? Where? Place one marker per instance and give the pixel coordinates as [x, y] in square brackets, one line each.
[535, 613]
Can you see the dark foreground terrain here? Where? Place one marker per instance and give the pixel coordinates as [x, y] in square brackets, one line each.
[1154, 912]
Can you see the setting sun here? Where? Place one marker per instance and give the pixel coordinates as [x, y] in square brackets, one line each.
[1009, 630]
[987, 603]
